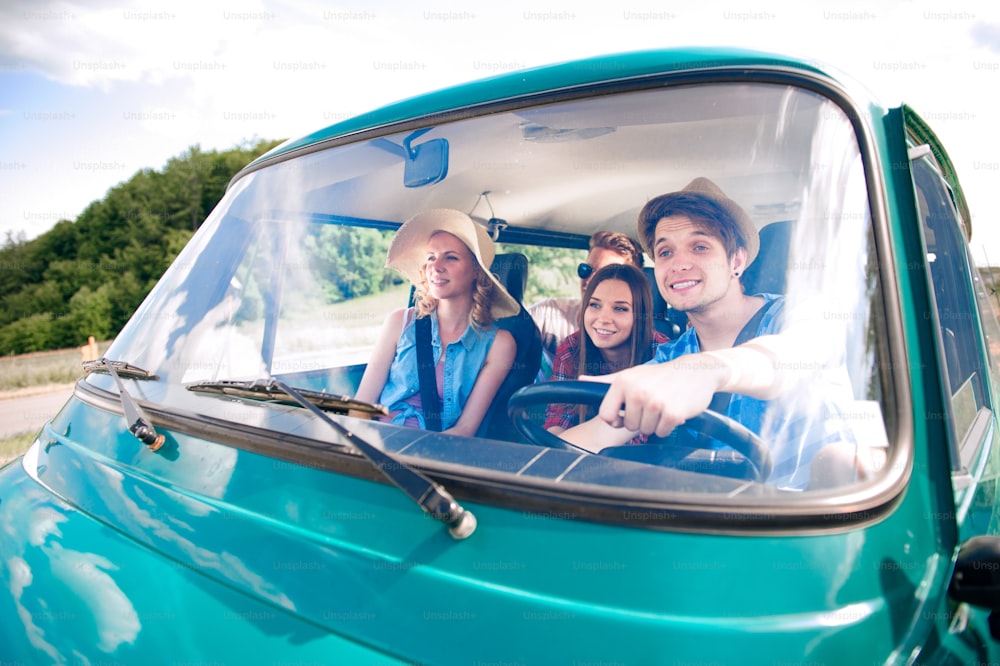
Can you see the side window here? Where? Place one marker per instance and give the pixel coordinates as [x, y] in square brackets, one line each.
[956, 306]
[986, 295]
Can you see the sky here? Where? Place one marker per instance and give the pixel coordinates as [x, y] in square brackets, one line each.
[91, 92]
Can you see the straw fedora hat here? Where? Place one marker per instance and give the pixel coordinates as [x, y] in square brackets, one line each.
[706, 188]
[408, 250]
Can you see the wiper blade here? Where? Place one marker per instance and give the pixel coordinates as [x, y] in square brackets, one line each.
[430, 496]
[120, 368]
[271, 389]
[138, 423]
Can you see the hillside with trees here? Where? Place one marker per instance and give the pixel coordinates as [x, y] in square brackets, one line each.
[87, 276]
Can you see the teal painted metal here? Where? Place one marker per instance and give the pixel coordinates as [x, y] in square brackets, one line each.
[306, 556]
[109, 554]
[599, 69]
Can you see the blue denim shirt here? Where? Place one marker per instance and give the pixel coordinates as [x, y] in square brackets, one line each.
[748, 411]
[465, 358]
[794, 435]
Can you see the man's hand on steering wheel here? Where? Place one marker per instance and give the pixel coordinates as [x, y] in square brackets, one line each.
[653, 406]
[716, 426]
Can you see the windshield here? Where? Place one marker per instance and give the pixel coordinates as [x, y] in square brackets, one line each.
[287, 277]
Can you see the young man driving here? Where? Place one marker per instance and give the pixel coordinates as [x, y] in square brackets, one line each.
[701, 242]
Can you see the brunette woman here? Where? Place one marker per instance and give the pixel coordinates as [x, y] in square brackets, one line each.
[616, 332]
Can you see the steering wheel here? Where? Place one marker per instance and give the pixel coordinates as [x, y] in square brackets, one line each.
[743, 441]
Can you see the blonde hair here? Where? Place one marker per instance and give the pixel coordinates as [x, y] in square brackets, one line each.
[481, 315]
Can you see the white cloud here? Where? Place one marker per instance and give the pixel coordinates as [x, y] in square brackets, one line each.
[147, 82]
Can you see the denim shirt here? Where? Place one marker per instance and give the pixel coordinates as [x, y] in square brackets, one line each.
[794, 432]
[744, 409]
[465, 358]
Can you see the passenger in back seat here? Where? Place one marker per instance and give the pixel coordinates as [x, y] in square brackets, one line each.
[558, 317]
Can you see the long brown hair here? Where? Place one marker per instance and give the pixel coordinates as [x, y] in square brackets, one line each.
[642, 348]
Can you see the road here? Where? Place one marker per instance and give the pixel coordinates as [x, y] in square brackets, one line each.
[28, 410]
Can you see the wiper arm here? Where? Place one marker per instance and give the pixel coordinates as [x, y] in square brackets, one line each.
[430, 496]
[271, 389]
[122, 368]
[138, 423]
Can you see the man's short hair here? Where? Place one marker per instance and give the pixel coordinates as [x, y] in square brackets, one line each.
[708, 207]
[700, 209]
[618, 243]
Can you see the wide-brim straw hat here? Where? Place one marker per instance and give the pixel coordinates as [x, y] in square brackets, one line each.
[747, 229]
[408, 250]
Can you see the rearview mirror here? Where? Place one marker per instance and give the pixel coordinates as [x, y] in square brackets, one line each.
[424, 164]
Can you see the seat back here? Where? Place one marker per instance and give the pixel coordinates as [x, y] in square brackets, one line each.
[768, 273]
[512, 271]
[511, 268]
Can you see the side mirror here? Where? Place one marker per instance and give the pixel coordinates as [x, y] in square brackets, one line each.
[976, 579]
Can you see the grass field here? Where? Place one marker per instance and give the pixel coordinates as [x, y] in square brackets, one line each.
[40, 368]
[12, 447]
[28, 371]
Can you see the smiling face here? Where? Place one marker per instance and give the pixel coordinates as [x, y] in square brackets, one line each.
[608, 315]
[693, 271]
[450, 268]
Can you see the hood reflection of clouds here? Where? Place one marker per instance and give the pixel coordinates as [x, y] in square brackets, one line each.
[138, 519]
[86, 575]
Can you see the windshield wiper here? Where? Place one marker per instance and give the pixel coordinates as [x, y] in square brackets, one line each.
[430, 496]
[122, 368]
[138, 423]
[269, 389]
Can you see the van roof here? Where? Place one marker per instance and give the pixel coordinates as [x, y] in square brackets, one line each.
[598, 69]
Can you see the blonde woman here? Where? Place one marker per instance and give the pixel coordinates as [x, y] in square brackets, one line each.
[446, 256]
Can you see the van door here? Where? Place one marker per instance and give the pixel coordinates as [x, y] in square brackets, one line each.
[968, 342]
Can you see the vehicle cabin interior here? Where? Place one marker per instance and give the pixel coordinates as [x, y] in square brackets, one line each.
[287, 279]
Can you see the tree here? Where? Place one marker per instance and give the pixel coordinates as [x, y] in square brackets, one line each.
[32, 333]
[350, 261]
[87, 276]
[89, 314]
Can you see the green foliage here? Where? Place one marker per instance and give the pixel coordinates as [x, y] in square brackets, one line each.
[29, 334]
[89, 314]
[87, 276]
[552, 270]
[350, 261]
